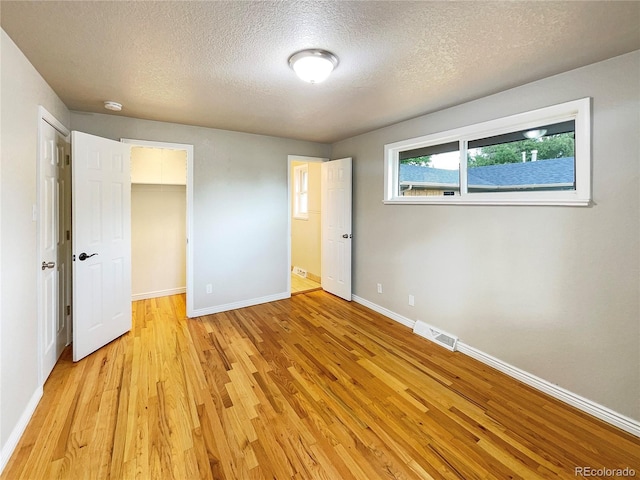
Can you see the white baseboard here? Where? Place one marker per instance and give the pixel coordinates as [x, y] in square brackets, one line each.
[158, 293]
[592, 408]
[242, 304]
[588, 406]
[18, 430]
[383, 311]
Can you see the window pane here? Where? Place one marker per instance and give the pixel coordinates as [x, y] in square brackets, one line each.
[301, 199]
[430, 171]
[535, 159]
[303, 205]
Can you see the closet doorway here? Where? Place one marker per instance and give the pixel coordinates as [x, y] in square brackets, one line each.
[160, 226]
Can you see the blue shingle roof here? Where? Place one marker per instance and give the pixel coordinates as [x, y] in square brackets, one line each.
[417, 174]
[542, 172]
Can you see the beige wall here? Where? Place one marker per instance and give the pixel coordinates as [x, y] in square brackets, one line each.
[551, 290]
[158, 240]
[305, 234]
[22, 89]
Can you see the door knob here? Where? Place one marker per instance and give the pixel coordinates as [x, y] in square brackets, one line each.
[46, 265]
[83, 256]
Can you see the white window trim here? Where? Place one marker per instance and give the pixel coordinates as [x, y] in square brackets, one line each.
[578, 110]
[297, 191]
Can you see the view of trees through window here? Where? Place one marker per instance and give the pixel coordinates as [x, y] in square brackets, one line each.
[546, 148]
[551, 146]
[421, 161]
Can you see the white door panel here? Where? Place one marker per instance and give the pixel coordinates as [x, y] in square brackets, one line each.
[102, 242]
[53, 246]
[336, 227]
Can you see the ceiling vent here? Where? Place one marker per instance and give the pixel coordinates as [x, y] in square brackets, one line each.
[437, 336]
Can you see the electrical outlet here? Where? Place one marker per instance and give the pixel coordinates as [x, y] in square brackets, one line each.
[209, 288]
[379, 288]
[412, 301]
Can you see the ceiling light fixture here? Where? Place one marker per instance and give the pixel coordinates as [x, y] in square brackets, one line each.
[115, 106]
[535, 134]
[313, 65]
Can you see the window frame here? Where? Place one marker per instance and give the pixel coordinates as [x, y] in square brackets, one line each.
[578, 110]
[298, 172]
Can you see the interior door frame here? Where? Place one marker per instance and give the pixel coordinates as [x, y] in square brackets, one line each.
[291, 159]
[44, 116]
[189, 187]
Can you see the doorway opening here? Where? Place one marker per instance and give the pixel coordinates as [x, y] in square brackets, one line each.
[305, 213]
[161, 200]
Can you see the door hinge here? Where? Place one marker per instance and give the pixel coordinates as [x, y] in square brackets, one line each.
[67, 159]
[68, 235]
[68, 309]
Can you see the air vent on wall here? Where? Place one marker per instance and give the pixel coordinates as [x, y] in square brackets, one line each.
[301, 272]
[437, 336]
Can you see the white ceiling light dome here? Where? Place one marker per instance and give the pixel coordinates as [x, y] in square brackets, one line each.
[313, 65]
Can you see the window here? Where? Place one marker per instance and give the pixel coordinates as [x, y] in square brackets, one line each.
[541, 157]
[429, 171]
[301, 193]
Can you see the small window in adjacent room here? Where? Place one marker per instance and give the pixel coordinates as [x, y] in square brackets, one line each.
[301, 194]
[542, 157]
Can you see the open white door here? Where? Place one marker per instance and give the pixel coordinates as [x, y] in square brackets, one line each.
[54, 245]
[336, 227]
[101, 242]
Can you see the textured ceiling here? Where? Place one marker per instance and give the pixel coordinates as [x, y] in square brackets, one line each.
[224, 64]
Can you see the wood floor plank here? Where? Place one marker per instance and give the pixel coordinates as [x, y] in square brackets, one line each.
[309, 388]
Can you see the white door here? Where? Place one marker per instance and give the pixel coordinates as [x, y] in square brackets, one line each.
[101, 242]
[336, 227]
[53, 267]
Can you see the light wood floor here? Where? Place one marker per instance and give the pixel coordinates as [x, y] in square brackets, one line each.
[302, 285]
[306, 388]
